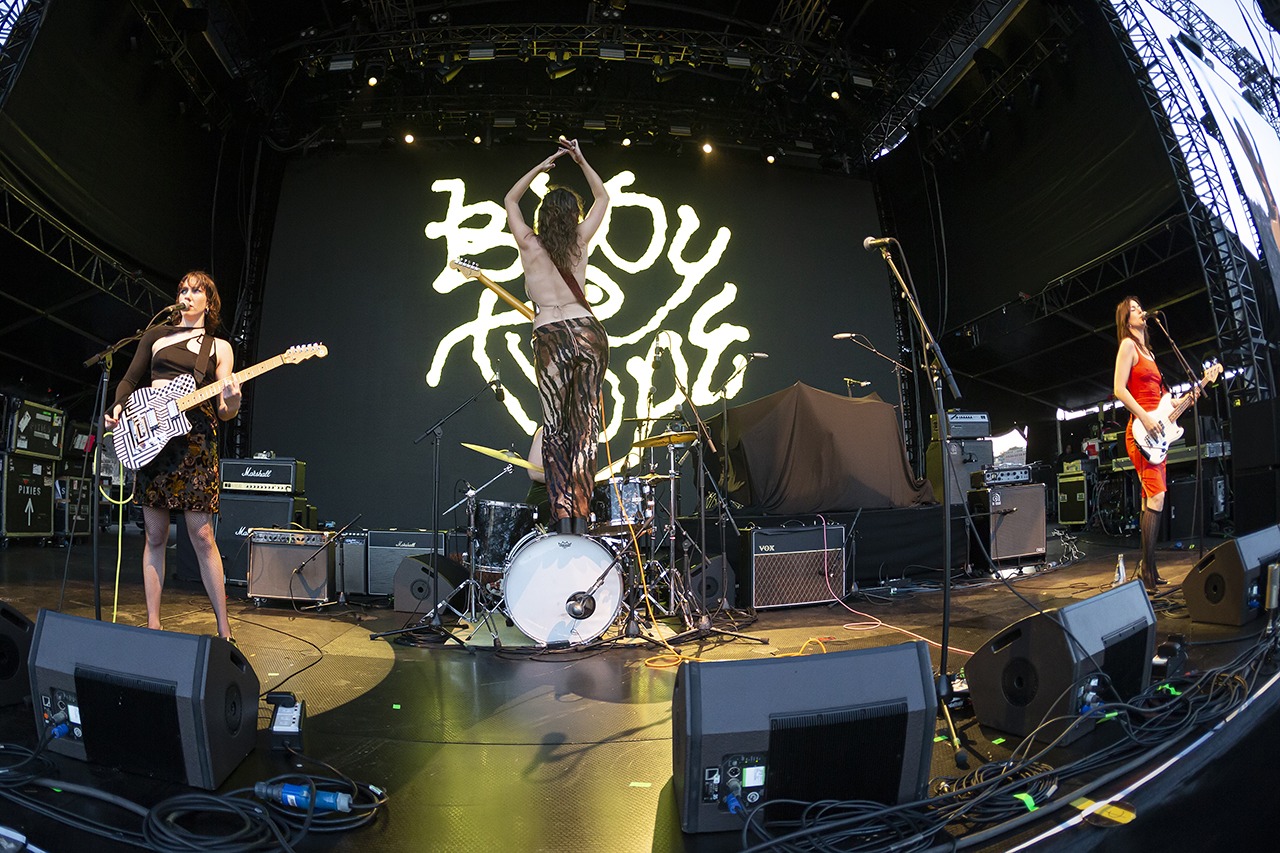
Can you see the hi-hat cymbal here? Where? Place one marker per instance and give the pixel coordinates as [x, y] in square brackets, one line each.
[666, 438]
[509, 456]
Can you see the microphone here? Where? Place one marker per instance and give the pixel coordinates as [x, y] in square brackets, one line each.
[844, 336]
[496, 383]
[580, 605]
[757, 355]
[876, 243]
[1008, 511]
[861, 383]
[657, 356]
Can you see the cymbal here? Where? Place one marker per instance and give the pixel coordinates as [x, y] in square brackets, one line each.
[671, 417]
[651, 477]
[666, 438]
[509, 456]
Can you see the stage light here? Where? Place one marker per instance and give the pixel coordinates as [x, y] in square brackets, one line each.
[561, 65]
[477, 139]
[626, 142]
[707, 148]
[408, 138]
[737, 59]
[481, 50]
[448, 70]
[374, 72]
[342, 62]
[770, 159]
[612, 50]
[665, 73]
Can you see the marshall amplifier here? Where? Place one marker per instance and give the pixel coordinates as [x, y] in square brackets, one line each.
[963, 425]
[282, 476]
[276, 567]
[387, 548]
[793, 565]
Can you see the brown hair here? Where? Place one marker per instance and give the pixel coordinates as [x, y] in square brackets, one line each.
[556, 224]
[1122, 323]
[213, 307]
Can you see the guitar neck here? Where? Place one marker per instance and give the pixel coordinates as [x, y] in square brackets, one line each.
[498, 289]
[198, 396]
[1186, 401]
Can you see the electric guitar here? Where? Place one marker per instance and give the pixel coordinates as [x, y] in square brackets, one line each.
[153, 416]
[1156, 446]
[471, 269]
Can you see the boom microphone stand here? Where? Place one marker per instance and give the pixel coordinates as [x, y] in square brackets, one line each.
[938, 370]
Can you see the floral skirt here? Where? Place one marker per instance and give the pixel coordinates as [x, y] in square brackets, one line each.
[185, 475]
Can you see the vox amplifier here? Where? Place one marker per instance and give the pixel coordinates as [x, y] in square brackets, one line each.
[793, 565]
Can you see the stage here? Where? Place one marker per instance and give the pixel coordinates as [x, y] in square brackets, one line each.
[514, 748]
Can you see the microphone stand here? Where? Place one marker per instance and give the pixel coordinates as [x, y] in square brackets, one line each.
[435, 626]
[100, 411]
[870, 347]
[939, 369]
[329, 538]
[703, 628]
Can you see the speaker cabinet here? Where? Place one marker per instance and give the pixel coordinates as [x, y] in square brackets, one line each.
[1073, 499]
[352, 573]
[721, 589]
[1047, 665]
[1009, 520]
[239, 513]
[1224, 587]
[386, 550]
[1255, 435]
[15, 647]
[415, 582]
[178, 707]
[1182, 518]
[793, 565]
[844, 725]
[963, 458]
[292, 564]
[1257, 499]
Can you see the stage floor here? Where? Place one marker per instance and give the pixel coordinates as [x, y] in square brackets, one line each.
[516, 748]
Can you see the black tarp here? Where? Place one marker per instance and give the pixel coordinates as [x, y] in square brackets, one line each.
[803, 450]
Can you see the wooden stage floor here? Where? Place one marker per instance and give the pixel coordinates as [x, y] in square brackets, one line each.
[516, 748]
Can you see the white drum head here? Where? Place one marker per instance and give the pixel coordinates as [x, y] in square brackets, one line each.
[545, 572]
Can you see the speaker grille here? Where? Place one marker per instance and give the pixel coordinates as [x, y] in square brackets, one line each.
[802, 577]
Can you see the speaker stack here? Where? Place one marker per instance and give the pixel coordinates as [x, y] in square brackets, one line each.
[1009, 521]
[1255, 464]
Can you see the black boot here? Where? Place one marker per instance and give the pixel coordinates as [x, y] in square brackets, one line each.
[579, 525]
[564, 525]
[1150, 531]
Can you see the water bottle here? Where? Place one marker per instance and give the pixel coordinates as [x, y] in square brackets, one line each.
[1119, 569]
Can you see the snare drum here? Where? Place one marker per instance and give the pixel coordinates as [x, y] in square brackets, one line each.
[499, 526]
[620, 502]
[544, 573]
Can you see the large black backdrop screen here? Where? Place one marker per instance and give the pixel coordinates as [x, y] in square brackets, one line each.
[722, 258]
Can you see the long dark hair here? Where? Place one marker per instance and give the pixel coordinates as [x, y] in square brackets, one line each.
[556, 224]
[213, 306]
[1122, 324]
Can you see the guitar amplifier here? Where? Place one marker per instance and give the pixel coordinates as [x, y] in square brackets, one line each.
[387, 548]
[963, 425]
[1007, 475]
[793, 565]
[276, 567]
[280, 475]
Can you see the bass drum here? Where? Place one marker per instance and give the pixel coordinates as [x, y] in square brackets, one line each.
[544, 571]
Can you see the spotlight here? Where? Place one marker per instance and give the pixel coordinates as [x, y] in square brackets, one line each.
[707, 148]
[626, 142]
[374, 72]
[561, 65]
[408, 138]
[477, 139]
[665, 73]
[448, 70]
[770, 159]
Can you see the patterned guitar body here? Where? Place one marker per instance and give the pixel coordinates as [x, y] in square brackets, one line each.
[151, 418]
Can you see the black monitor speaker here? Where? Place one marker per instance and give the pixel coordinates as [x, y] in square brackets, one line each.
[843, 725]
[178, 707]
[15, 647]
[1224, 587]
[1047, 665]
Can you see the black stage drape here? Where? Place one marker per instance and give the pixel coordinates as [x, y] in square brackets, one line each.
[803, 450]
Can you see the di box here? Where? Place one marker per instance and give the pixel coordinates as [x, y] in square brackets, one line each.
[784, 566]
[291, 564]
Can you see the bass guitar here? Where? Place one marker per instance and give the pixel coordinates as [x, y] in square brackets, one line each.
[153, 416]
[1154, 445]
[471, 269]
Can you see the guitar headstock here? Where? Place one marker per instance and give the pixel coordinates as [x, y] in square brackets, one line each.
[1212, 372]
[466, 266]
[302, 352]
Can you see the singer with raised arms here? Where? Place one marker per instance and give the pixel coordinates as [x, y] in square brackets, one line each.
[570, 347]
[1139, 386]
[184, 476]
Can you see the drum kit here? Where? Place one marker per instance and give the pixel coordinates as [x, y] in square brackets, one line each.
[563, 589]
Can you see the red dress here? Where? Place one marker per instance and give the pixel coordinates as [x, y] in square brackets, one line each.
[1147, 388]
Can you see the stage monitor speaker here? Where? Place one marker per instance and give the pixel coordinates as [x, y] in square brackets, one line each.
[386, 550]
[277, 570]
[1051, 665]
[414, 589]
[721, 584]
[1010, 520]
[793, 565]
[852, 725]
[239, 512]
[178, 707]
[1224, 587]
[15, 648]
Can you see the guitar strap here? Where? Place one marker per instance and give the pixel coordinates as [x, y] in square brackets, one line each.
[577, 291]
[202, 361]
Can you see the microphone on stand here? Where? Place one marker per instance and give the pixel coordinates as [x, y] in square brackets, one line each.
[496, 383]
[580, 605]
[861, 383]
[844, 336]
[876, 243]
[757, 355]
[658, 351]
